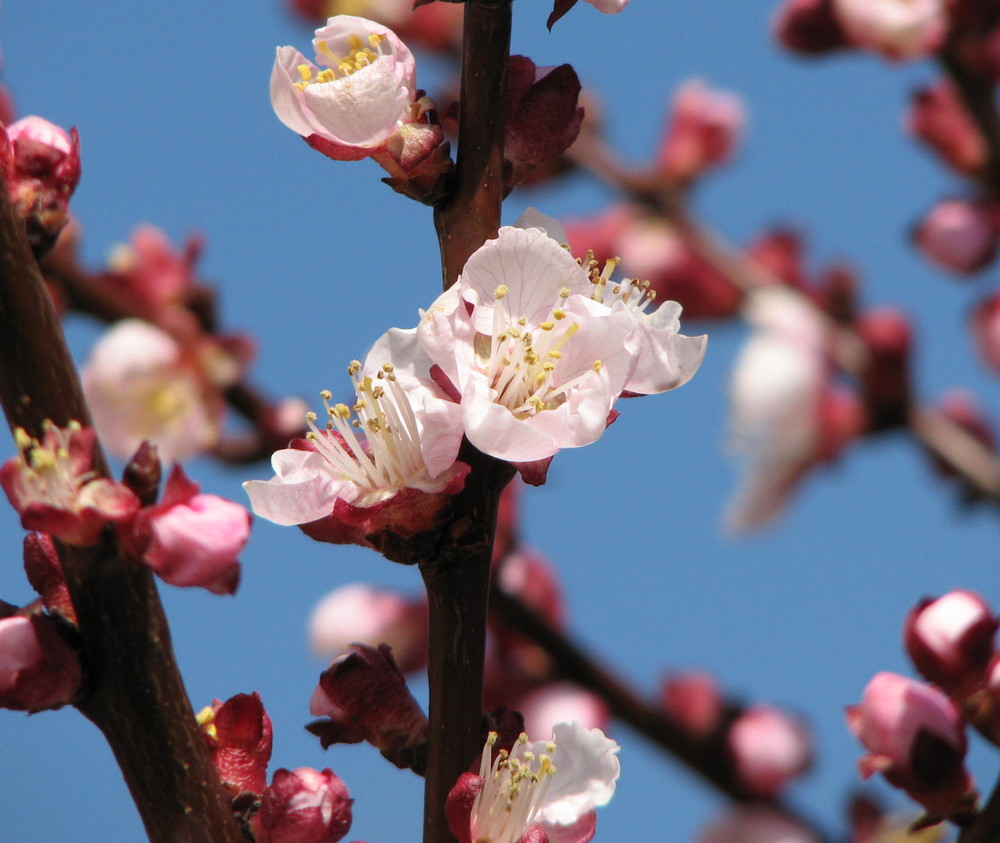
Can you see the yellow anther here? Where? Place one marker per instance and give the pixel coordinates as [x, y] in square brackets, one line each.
[501, 291]
[547, 326]
[375, 39]
[326, 395]
[564, 293]
[355, 42]
[555, 354]
[353, 367]
[310, 416]
[206, 719]
[346, 68]
[559, 313]
[324, 48]
[522, 321]
[305, 72]
[548, 366]
[341, 411]
[388, 368]
[598, 365]
[492, 738]
[300, 85]
[21, 439]
[378, 392]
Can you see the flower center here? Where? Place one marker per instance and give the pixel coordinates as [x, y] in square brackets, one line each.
[634, 294]
[389, 456]
[514, 789]
[48, 471]
[521, 362]
[359, 57]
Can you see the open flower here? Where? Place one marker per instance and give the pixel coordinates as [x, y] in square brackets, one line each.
[355, 95]
[539, 347]
[54, 488]
[553, 784]
[391, 482]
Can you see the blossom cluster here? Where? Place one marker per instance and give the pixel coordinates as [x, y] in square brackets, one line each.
[915, 733]
[525, 355]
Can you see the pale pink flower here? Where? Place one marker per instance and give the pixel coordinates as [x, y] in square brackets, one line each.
[548, 346]
[561, 702]
[345, 489]
[54, 488]
[785, 417]
[355, 95]
[770, 749]
[191, 539]
[896, 29]
[554, 784]
[38, 669]
[141, 384]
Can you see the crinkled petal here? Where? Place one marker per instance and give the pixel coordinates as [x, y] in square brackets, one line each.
[285, 97]
[303, 490]
[588, 769]
[665, 359]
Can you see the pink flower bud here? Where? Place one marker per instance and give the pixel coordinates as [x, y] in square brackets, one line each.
[357, 93]
[780, 252]
[939, 119]
[38, 669]
[769, 749]
[916, 739]
[364, 695]
[808, 26]
[238, 733]
[703, 132]
[985, 323]
[358, 612]
[755, 824]
[41, 164]
[692, 699]
[950, 641]
[303, 806]
[52, 486]
[44, 571]
[191, 539]
[959, 236]
[895, 29]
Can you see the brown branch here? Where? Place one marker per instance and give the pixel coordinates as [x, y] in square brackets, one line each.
[977, 93]
[457, 580]
[707, 755]
[986, 826]
[135, 694]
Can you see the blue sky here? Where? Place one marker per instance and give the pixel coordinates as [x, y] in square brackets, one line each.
[316, 259]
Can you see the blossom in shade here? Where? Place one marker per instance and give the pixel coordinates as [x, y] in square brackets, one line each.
[191, 539]
[561, 702]
[895, 29]
[703, 130]
[985, 324]
[141, 384]
[755, 824]
[539, 347]
[609, 7]
[52, 485]
[357, 612]
[808, 26]
[916, 739]
[555, 785]
[938, 117]
[303, 806]
[364, 696]
[380, 489]
[769, 748]
[950, 640]
[238, 734]
[41, 166]
[356, 94]
[38, 669]
[786, 417]
[959, 236]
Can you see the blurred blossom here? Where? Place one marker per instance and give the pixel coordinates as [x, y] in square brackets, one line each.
[385, 488]
[561, 702]
[950, 641]
[41, 166]
[54, 488]
[938, 117]
[770, 749]
[959, 236]
[703, 131]
[355, 96]
[553, 784]
[360, 613]
[191, 539]
[962, 408]
[786, 418]
[609, 7]
[693, 700]
[895, 29]
[38, 669]
[885, 380]
[755, 824]
[985, 324]
[808, 26]
[303, 806]
[141, 384]
[916, 739]
[239, 736]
